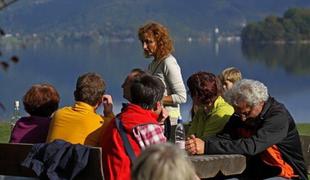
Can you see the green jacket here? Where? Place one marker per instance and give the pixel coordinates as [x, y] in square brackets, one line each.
[204, 125]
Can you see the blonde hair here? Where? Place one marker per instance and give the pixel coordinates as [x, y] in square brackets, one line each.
[231, 74]
[164, 162]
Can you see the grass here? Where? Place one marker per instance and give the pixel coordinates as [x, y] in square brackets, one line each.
[304, 129]
[4, 132]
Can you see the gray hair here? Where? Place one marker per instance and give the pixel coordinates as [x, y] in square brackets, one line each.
[248, 90]
[163, 161]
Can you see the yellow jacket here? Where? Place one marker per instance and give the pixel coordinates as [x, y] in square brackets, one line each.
[77, 124]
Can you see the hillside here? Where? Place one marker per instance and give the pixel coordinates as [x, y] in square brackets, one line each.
[123, 17]
[294, 26]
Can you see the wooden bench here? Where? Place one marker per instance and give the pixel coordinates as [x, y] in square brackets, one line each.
[11, 156]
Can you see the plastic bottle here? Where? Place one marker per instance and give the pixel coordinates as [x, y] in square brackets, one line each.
[180, 134]
[16, 114]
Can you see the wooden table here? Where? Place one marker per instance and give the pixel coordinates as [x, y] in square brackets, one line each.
[208, 166]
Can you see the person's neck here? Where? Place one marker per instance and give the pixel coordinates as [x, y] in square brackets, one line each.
[160, 58]
[156, 59]
[96, 106]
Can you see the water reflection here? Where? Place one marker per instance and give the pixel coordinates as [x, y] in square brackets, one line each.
[294, 58]
[61, 64]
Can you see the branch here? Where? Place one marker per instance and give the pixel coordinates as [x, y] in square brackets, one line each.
[6, 3]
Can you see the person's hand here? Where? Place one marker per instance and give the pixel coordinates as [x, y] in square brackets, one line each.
[107, 103]
[194, 145]
[163, 115]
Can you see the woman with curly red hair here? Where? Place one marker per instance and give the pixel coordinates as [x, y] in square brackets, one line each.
[157, 44]
[210, 111]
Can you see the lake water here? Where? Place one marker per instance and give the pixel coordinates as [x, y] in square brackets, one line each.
[284, 69]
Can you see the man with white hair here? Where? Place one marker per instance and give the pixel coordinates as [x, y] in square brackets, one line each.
[261, 129]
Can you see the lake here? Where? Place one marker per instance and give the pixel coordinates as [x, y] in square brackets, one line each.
[284, 69]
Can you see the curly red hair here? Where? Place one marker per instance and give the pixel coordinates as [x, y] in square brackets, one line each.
[161, 36]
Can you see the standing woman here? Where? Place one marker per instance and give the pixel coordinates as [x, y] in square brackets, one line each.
[157, 44]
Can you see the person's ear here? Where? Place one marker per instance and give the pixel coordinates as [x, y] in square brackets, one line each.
[157, 106]
[99, 102]
[262, 104]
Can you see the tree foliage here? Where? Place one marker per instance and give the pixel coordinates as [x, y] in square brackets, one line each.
[294, 26]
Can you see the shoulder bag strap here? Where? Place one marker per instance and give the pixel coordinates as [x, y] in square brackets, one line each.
[124, 137]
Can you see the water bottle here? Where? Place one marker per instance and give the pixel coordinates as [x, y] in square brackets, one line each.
[16, 114]
[180, 134]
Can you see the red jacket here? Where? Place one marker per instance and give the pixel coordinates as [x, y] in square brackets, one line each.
[116, 163]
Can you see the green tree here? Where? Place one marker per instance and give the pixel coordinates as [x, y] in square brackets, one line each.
[251, 32]
[293, 26]
[272, 29]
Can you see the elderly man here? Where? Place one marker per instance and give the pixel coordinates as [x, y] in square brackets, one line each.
[80, 123]
[262, 129]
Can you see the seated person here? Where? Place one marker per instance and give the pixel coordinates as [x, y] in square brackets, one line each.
[80, 123]
[40, 101]
[163, 120]
[165, 162]
[229, 76]
[212, 112]
[262, 129]
[139, 119]
[135, 73]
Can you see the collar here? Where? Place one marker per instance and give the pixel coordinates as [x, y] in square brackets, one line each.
[219, 100]
[266, 107]
[130, 107]
[134, 115]
[83, 105]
